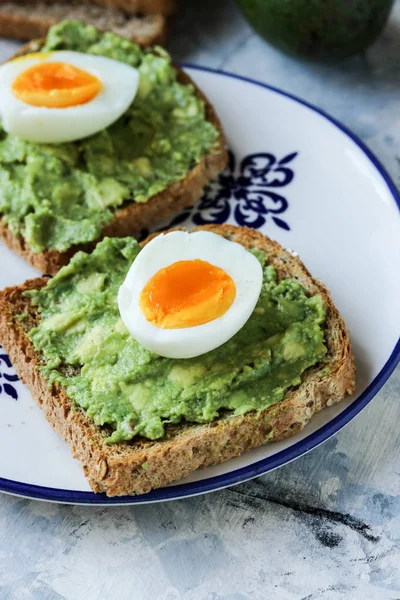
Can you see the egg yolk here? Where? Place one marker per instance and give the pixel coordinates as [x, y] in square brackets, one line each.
[187, 293]
[55, 85]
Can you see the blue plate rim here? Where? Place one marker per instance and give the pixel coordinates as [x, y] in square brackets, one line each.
[266, 464]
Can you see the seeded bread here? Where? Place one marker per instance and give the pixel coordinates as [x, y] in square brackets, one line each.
[24, 21]
[133, 218]
[117, 469]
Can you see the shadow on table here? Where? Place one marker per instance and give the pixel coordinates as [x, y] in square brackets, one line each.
[373, 71]
[203, 29]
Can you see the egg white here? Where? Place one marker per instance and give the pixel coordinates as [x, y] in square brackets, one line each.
[166, 249]
[56, 125]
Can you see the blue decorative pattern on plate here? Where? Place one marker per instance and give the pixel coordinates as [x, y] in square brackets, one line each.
[8, 376]
[295, 192]
[244, 191]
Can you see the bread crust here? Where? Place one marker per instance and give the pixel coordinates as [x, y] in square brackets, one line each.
[117, 469]
[162, 7]
[21, 22]
[131, 219]
[144, 7]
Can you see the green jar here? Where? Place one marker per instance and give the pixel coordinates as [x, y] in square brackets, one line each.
[318, 28]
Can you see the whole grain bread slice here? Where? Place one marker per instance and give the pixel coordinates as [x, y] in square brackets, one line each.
[24, 21]
[132, 218]
[117, 469]
[144, 7]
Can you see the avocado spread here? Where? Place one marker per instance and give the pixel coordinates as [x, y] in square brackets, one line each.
[58, 195]
[87, 350]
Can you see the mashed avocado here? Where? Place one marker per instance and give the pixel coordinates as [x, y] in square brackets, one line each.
[56, 196]
[136, 392]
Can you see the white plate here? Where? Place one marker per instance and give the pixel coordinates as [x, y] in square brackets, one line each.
[301, 178]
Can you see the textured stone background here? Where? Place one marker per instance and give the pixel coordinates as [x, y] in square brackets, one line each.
[326, 526]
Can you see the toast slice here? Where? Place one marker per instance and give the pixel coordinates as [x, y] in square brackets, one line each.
[24, 21]
[144, 7]
[116, 469]
[147, 7]
[132, 218]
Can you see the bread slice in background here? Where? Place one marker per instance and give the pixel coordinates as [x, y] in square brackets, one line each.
[145, 7]
[24, 21]
[116, 469]
[131, 219]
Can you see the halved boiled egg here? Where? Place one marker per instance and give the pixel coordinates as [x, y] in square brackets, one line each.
[188, 293]
[63, 96]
